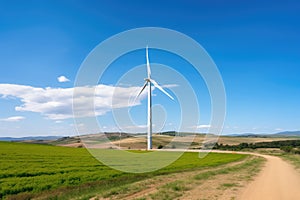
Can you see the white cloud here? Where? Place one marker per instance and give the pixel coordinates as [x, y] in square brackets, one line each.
[135, 128]
[62, 79]
[203, 126]
[13, 119]
[169, 85]
[56, 103]
[138, 127]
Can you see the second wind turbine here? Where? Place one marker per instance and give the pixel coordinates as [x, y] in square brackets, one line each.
[148, 82]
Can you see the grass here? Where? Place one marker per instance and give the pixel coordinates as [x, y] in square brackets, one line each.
[228, 185]
[176, 186]
[51, 172]
[292, 158]
[254, 164]
[235, 175]
[170, 191]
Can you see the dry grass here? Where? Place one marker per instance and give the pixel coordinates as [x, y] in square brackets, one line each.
[222, 182]
[139, 141]
[195, 142]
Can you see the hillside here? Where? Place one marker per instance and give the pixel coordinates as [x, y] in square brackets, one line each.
[138, 141]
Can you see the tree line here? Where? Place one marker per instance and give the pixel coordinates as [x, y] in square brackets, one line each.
[292, 146]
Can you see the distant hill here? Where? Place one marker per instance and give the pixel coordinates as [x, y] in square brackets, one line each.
[279, 134]
[244, 135]
[116, 136]
[30, 138]
[288, 133]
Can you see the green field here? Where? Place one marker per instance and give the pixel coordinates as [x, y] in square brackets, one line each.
[44, 171]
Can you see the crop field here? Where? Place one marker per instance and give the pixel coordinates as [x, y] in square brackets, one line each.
[139, 142]
[45, 171]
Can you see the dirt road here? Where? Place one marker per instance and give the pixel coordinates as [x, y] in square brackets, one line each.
[278, 180]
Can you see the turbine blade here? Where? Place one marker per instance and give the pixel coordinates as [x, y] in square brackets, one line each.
[160, 88]
[148, 63]
[140, 92]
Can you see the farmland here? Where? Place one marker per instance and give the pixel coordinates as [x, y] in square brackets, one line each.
[139, 141]
[45, 171]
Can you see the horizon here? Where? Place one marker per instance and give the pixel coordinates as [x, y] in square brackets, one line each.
[156, 133]
[255, 46]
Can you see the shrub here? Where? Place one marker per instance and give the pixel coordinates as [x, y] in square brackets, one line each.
[287, 149]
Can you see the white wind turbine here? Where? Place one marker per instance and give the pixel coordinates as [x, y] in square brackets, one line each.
[149, 81]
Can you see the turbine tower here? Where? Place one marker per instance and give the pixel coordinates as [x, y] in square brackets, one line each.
[149, 82]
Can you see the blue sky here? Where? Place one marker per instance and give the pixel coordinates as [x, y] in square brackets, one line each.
[255, 45]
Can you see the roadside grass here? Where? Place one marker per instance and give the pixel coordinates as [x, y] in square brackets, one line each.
[170, 191]
[253, 164]
[235, 174]
[228, 185]
[294, 159]
[176, 186]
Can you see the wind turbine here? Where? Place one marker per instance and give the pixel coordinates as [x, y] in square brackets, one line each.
[148, 82]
